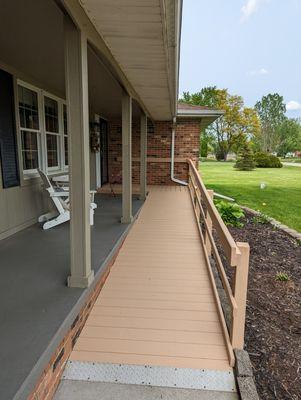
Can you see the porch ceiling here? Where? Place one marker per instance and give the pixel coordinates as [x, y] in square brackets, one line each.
[143, 37]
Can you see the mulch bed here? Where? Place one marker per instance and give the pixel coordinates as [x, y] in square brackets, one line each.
[273, 322]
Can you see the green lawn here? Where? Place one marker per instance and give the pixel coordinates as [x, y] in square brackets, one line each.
[281, 199]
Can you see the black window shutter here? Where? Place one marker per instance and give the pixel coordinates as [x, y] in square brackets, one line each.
[8, 141]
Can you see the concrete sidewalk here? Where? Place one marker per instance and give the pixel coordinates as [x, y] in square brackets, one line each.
[79, 390]
[291, 164]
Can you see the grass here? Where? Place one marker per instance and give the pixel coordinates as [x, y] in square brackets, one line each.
[281, 198]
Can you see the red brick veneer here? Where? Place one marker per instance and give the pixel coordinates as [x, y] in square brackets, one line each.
[159, 146]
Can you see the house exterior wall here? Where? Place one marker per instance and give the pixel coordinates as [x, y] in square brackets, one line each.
[20, 206]
[187, 140]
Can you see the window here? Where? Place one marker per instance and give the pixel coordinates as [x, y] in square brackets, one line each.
[65, 126]
[52, 151]
[30, 127]
[51, 112]
[30, 150]
[43, 130]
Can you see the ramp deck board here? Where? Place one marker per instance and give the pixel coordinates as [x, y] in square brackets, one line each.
[157, 306]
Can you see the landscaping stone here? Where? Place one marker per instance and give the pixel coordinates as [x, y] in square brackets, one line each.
[292, 232]
[243, 366]
[247, 388]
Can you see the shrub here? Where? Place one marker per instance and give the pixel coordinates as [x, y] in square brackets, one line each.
[231, 213]
[245, 160]
[266, 160]
[261, 218]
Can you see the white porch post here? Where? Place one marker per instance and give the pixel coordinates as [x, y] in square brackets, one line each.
[143, 156]
[126, 158]
[76, 66]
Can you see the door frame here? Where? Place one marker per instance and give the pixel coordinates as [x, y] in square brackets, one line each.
[98, 158]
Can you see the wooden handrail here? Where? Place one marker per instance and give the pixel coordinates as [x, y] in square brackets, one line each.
[237, 255]
[231, 250]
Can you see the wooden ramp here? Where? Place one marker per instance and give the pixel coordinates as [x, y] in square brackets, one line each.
[157, 306]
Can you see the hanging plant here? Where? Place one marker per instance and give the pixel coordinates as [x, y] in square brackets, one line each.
[94, 137]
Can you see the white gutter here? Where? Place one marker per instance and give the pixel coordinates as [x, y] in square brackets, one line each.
[200, 113]
[172, 163]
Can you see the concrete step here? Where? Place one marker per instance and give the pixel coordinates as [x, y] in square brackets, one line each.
[79, 390]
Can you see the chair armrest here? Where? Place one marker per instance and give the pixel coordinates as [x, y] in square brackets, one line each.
[59, 194]
[92, 194]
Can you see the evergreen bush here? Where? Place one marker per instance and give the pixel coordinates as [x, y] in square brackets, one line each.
[266, 160]
[245, 161]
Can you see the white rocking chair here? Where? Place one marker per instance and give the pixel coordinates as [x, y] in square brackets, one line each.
[60, 198]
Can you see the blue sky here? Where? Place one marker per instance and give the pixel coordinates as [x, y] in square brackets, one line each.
[251, 47]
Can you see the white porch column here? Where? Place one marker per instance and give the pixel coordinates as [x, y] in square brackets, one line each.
[126, 158]
[143, 156]
[76, 72]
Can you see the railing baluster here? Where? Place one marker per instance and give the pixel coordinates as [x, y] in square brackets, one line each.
[209, 224]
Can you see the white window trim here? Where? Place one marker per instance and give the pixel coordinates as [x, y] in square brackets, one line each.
[59, 133]
[42, 144]
[29, 173]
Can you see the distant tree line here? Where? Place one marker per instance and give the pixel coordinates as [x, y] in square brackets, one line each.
[264, 128]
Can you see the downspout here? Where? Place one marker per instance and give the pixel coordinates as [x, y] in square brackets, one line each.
[172, 163]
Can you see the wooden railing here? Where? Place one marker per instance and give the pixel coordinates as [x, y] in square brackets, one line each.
[236, 254]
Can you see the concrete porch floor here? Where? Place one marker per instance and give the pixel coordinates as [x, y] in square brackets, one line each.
[34, 298]
[116, 188]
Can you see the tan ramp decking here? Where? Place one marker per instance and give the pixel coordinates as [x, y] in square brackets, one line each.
[157, 306]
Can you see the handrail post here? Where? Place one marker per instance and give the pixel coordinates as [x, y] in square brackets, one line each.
[209, 223]
[189, 177]
[196, 203]
[240, 295]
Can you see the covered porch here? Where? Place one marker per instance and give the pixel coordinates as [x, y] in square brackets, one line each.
[63, 85]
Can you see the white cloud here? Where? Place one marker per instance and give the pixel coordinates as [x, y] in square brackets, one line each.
[249, 8]
[260, 71]
[293, 105]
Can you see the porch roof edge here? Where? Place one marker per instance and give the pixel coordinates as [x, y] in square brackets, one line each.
[141, 41]
[73, 9]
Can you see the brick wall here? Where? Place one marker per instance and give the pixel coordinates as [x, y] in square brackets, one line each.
[159, 147]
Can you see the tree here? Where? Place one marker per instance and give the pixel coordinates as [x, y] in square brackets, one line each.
[208, 96]
[245, 160]
[271, 110]
[205, 143]
[228, 131]
[288, 137]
